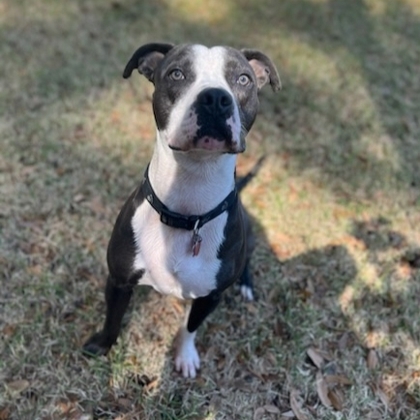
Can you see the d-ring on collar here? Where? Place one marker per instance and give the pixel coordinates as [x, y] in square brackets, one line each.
[180, 221]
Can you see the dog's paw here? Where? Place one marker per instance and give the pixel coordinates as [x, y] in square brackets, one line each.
[187, 360]
[247, 293]
[96, 346]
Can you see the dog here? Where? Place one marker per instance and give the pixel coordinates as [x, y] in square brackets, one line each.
[184, 231]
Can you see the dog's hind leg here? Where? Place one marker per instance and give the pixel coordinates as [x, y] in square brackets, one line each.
[117, 300]
[245, 280]
[187, 359]
[246, 283]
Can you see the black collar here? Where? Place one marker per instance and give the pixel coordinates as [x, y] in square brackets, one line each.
[181, 221]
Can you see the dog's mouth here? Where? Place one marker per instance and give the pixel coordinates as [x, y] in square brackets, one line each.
[215, 144]
[209, 144]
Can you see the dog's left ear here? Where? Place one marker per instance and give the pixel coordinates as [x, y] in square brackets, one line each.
[146, 59]
[263, 68]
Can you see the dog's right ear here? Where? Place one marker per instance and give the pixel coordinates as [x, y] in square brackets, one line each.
[146, 59]
[264, 69]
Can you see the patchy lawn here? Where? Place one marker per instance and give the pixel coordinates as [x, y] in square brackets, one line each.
[335, 331]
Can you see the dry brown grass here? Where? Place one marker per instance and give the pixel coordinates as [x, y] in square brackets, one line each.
[335, 331]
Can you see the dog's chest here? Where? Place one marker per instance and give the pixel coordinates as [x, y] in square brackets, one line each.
[166, 255]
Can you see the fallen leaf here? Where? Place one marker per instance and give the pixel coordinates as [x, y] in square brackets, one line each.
[337, 380]
[221, 362]
[382, 396]
[258, 413]
[271, 358]
[375, 415]
[288, 414]
[18, 386]
[379, 392]
[322, 390]
[343, 342]
[78, 198]
[124, 402]
[336, 398]
[9, 329]
[372, 359]
[241, 385]
[281, 329]
[272, 409]
[251, 308]
[60, 170]
[4, 413]
[35, 270]
[294, 404]
[215, 403]
[315, 357]
[65, 406]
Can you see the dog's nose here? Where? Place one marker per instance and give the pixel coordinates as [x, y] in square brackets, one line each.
[216, 101]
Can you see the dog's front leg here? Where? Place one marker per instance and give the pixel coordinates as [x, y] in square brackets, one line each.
[187, 359]
[117, 300]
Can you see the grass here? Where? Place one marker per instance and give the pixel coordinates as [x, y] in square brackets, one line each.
[336, 208]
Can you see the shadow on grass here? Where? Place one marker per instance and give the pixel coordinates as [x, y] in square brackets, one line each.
[383, 47]
[388, 298]
[246, 349]
[304, 301]
[382, 44]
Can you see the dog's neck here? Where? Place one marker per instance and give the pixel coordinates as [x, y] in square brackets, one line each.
[190, 182]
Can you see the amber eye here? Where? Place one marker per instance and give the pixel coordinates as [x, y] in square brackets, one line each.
[176, 75]
[244, 80]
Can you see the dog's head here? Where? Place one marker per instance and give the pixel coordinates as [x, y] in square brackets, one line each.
[205, 98]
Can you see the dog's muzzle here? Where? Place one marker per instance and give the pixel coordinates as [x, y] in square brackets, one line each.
[214, 108]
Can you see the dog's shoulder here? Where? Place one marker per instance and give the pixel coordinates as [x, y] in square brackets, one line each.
[121, 248]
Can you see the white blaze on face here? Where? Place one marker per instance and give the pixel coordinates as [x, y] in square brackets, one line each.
[209, 70]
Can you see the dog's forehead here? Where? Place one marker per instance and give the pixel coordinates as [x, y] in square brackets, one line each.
[211, 57]
[207, 60]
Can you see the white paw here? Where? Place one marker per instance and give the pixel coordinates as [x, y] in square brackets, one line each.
[247, 293]
[187, 360]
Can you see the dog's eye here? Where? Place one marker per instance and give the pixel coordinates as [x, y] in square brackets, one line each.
[176, 75]
[244, 80]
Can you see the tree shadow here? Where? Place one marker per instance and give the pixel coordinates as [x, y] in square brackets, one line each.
[387, 68]
[316, 125]
[244, 347]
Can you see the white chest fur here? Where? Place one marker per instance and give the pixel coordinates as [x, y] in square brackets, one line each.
[166, 255]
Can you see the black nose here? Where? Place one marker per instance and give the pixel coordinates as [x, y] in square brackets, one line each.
[216, 102]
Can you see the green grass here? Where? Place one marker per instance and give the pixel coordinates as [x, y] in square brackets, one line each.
[336, 208]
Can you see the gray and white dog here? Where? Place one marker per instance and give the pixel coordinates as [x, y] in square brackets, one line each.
[183, 231]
